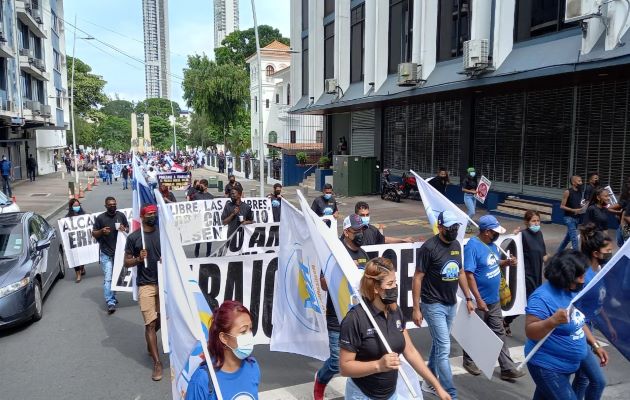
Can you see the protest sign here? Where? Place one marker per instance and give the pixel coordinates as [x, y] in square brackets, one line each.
[613, 198]
[200, 221]
[175, 180]
[116, 168]
[79, 246]
[483, 188]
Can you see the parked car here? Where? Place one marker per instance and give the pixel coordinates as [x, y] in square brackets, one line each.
[31, 259]
[7, 205]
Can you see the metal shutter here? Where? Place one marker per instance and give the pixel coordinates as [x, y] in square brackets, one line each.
[446, 139]
[395, 138]
[420, 137]
[363, 132]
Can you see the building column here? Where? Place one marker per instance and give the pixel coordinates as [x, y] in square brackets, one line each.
[382, 44]
[369, 41]
[342, 43]
[425, 27]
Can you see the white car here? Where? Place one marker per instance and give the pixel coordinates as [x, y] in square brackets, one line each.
[7, 205]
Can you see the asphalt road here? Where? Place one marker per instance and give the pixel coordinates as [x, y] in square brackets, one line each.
[77, 351]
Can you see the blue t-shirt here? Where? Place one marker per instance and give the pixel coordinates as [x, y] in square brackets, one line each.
[241, 385]
[592, 301]
[566, 346]
[483, 261]
[5, 167]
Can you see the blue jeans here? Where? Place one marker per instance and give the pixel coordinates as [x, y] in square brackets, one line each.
[471, 203]
[109, 179]
[107, 264]
[571, 235]
[551, 385]
[125, 182]
[354, 393]
[331, 366]
[440, 318]
[6, 185]
[589, 381]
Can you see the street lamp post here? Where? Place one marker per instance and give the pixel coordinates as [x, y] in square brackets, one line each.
[261, 144]
[174, 132]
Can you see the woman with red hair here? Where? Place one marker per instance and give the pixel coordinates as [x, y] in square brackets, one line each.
[230, 344]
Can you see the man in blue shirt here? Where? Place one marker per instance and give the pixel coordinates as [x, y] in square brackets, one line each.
[482, 265]
[7, 173]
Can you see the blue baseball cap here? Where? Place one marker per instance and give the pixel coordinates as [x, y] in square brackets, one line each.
[447, 219]
[489, 222]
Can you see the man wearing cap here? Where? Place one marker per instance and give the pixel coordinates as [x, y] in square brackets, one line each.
[482, 264]
[438, 274]
[145, 258]
[352, 239]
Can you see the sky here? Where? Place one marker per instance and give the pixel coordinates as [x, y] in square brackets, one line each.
[119, 23]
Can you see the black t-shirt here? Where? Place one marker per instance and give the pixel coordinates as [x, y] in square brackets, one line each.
[371, 235]
[441, 263]
[469, 183]
[360, 258]
[588, 191]
[229, 187]
[124, 173]
[358, 336]
[320, 205]
[202, 196]
[439, 184]
[146, 275]
[534, 250]
[573, 201]
[597, 216]
[276, 210]
[107, 243]
[245, 210]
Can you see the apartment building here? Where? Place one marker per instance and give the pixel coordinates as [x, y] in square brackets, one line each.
[226, 19]
[156, 49]
[34, 106]
[528, 92]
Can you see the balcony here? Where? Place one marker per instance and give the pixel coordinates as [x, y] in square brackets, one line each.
[7, 108]
[35, 111]
[31, 17]
[32, 65]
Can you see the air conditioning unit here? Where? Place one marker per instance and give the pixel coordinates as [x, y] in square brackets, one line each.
[39, 64]
[409, 74]
[25, 52]
[34, 106]
[46, 110]
[3, 38]
[578, 10]
[330, 86]
[37, 15]
[476, 54]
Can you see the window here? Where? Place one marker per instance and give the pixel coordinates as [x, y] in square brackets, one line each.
[329, 7]
[267, 103]
[40, 91]
[329, 51]
[319, 136]
[270, 70]
[27, 86]
[400, 33]
[289, 94]
[57, 60]
[54, 22]
[293, 137]
[304, 15]
[453, 28]
[59, 98]
[39, 54]
[305, 66]
[24, 36]
[357, 41]
[256, 103]
[277, 98]
[3, 74]
[539, 17]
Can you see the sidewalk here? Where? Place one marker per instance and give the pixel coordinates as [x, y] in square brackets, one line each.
[404, 219]
[48, 194]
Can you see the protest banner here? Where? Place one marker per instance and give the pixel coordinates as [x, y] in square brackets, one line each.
[79, 246]
[116, 169]
[252, 239]
[200, 221]
[483, 188]
[175, 180]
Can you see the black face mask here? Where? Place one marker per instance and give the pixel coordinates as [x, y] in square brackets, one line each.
[450, 234]
[232, 182]
[495, 236]
[150, 221]
[358, 239]
[604, 259]
[111, 210]
[277, 192]
[578, 287]
[390, 296]
[580, 187]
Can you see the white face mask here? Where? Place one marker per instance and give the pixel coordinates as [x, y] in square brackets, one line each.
[244, 345]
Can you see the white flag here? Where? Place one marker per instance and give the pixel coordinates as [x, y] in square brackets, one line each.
[299, 321]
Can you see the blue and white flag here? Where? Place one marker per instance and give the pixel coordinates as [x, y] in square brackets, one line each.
[183, 308]
[605, 301]
[299, 321]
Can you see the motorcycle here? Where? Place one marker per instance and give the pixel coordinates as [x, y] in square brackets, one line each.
[389, 190]
[409, 186]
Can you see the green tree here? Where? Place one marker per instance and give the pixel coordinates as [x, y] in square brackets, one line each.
[239, 45]
[158, 108]
[85, 132]
[220, 92]
[118, 108]
[88, 91]
[202, 133]
[114, 133]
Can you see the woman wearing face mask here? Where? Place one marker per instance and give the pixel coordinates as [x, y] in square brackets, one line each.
[373, 372]
[599, 209]
[534, 256]
[469, 187]
[589, 381]
[561, 354]
[74, 209]
[230, 345]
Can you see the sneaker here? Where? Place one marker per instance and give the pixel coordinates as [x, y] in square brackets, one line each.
[428, 388]
[318, 389]
[111, 308]
[472, 368]
[157, 371]
[512, 374]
